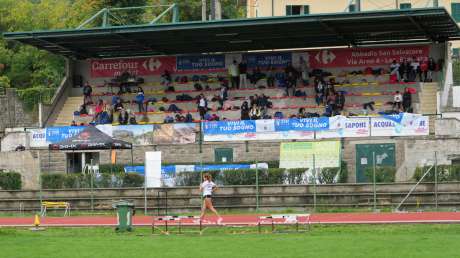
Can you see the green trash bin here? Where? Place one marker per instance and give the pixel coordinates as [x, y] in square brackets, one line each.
[125, 212]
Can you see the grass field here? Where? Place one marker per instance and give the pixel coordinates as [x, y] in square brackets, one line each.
[402, 241]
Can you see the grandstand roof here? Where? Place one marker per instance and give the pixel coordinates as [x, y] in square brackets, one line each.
[319, 30]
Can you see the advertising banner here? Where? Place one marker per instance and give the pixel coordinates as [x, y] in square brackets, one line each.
[345, 57]
[264, 60]
[136, 134]
[310, 154]
[341, 126]
[57, 134]
[201, 62]
[403, 124]
[229, 127]
[135, 66]
[37, 138]
[302, 124]
[266, 136]
[180, 133]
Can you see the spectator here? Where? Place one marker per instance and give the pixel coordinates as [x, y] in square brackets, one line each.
[369, 105]
[123, 118]
[132, 119]
[255, 112]
[318, 99]
[188, 118]
[223, 96]
[140, 100]
[123, 79]
[168, 119]
[301, 113]
[319, 85]
[304, 71]
[234, 75]
[331, 100]
[73, 123]
[291, 82]
[99, 109]
[424, 71]
[256, 76]
[270, 77]
[83, 110]
[431, 69]
[166, 79]
[340, 101]
[245, 111]
[87, 91]
[407, 101]
[394, 70]
[397, 100]
[404, 69]
[118, 105]
[202, 106]
[243, 69]
[104, 118]
[414, 69]
[180, 118]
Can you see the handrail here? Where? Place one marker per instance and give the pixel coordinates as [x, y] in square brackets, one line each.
[55, 100]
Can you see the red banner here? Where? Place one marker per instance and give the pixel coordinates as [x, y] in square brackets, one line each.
[136, 66]
[345, 57]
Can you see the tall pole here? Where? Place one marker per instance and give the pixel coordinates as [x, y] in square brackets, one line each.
[91, 183]
[396, 4]
[374, 186]
[358, 5]
[273, 8]
[435, 3]
[257, 186]
[436, 180]
[314, 184]
[203, 10]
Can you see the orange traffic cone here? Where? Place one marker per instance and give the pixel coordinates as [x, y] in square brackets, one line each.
[37, 221]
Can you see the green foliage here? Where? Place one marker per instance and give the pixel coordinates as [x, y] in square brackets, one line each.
[383, 174]
[133, 180]
[53, 181]
[4, 82]
[32, 96]
[10, 181]
[445, 173]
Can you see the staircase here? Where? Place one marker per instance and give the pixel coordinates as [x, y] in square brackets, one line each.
[428, 101]
[65, 115]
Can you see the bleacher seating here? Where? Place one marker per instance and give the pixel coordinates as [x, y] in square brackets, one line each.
[358, 88]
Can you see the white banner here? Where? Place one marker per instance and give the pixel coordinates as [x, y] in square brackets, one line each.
[404, 124]
[266, 136]
[341, 126]
[37, 138]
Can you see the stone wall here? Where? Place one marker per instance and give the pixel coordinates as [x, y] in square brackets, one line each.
[24, 162]
[12, 113]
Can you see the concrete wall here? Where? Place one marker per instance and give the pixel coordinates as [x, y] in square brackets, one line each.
[12, 113]
[26, 163]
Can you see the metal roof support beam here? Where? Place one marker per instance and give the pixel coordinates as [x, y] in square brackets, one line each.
[338, 33]
[91, 19]
[171, 7]
[61, 47]
[420, 28]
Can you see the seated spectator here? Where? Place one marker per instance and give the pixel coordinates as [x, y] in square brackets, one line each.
[340, 101]
[140, 100]
[99, 109]
[301, 113]
[132, 119]
[104, 118]
[188, 118]
[168, 119]
[118, 105]
[256, 76]
[83, 110]
[245, 111]
[424, 71]
[214, 117]
[407, 101]
[397, 101]
[254, 113]
[73, 123]
[166, 79]
[180, 118]
[87, 91]
[123, 118]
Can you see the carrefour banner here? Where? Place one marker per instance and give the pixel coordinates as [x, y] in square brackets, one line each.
[201, 62]
[403, 124]
[264, 60]
[310, 154]
[229, 127]
[341, 126]
[302, 124]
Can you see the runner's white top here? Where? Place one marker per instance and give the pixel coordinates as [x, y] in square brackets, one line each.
[207, 187]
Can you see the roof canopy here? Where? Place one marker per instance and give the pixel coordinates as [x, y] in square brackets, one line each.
[90, 138]
[321, 30]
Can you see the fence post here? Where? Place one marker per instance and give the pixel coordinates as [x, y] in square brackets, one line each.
[373, 181]
[314, 183]
[91, 183]
[436, 180]
[257, 186]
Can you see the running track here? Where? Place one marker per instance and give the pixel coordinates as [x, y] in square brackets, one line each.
[318, 218]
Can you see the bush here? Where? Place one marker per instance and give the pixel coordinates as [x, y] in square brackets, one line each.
[133, 180]
[10, 181]
[383, 174]
[53, 181]
[445, 173]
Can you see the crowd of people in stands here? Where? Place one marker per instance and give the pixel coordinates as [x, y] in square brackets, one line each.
[257, 106]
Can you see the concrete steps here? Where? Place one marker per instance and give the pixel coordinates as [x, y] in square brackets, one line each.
[65, 115]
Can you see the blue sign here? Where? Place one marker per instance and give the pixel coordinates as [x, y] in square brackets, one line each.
[57, 134]
[222, 167]
[171, 169]
[268, 59]
[135, 169]
[203, 62]
[302, 124]
[229, 127]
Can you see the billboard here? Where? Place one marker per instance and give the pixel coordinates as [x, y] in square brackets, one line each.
[310, 154]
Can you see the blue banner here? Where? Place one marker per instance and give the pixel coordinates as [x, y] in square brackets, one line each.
[229, 127]
[172, 169]
[268, 59]
[202, 62]
[57, 134]
[302, 124]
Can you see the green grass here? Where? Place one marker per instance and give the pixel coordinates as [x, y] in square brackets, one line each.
[364, 241]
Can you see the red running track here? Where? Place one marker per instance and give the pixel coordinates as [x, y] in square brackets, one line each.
[318, 218]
